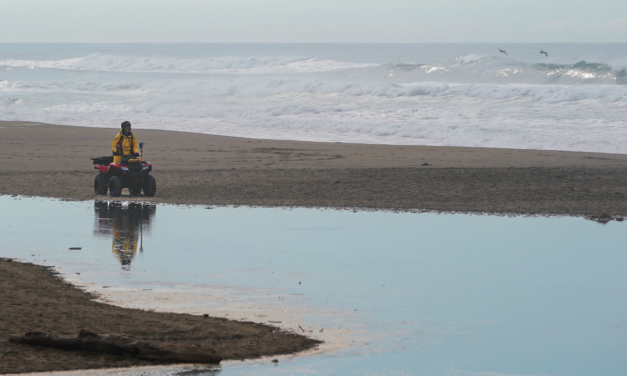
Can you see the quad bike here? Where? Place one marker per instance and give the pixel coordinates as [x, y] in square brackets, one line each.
[132, 173]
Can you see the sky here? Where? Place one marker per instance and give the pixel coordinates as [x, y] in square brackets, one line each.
[313, 21]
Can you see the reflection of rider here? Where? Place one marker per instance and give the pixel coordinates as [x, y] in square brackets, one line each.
[127, 225]
[124, 144]
[125, 241]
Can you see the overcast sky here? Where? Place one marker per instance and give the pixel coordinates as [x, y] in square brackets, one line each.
[313, 21]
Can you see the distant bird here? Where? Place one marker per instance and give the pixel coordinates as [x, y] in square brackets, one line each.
[502, 51]
[545, 53]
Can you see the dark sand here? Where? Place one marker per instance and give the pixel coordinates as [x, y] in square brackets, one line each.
[53, 161]
[33, 298]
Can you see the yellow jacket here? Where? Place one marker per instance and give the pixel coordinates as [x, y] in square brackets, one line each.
[123, 146]
[126, 238]
[124, 246]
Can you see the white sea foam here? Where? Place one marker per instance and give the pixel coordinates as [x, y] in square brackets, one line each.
[472, 58]
[224, 64]
[261, 87]
[568, 101]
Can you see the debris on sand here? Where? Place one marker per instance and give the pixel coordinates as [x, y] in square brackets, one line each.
[601, 218]
[35, 298]
[119, 345]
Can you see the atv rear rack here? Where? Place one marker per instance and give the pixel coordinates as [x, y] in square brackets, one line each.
[103, 160]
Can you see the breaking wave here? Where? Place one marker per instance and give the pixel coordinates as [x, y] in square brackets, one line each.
[465, 69]
[263, 87]
[479, 69]
[224, 64]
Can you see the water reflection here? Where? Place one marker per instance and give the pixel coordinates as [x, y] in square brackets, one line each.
[127, 223]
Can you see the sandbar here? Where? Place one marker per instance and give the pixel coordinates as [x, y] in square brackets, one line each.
[54, 161]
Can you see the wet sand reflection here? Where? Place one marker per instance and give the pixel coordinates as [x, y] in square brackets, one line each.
[127, 223]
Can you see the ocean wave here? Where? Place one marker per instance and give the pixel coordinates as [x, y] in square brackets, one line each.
[481, 69]
[266, 87]
[472, 68]
[5, 84]
[464, 95]
[224, 64]
[580, 66]
[437, 121]
[525, 92]
[472, 59]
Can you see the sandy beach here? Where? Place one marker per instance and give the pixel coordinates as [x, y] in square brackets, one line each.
[34, 298]
[54, 161]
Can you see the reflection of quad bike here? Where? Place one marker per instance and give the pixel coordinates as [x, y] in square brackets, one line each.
[132, 173]
[126, 224]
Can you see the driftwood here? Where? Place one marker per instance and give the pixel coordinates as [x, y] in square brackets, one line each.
[118, 344]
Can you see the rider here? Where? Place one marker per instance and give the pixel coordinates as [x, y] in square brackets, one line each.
[124, 144]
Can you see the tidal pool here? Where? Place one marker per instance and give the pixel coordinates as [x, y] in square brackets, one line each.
[390, 293]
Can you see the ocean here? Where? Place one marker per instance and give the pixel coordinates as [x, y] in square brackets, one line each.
[413, 94]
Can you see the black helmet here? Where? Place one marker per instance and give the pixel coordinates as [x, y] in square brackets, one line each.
[126, 123]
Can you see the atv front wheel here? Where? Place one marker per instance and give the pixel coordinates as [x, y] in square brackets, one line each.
[150, 186]
[100, 184]
[115, 186]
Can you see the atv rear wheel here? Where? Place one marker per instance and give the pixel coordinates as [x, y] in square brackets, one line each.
[115, 186]
[150, 186]
[100, 184]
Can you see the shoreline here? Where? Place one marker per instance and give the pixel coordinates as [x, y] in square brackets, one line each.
[46, 160]
[37, 298]
[143, 200]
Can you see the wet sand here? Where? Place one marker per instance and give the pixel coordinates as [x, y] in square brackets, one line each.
[53, 161]
[33, 298]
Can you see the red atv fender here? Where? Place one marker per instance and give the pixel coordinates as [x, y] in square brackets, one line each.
[105, 168]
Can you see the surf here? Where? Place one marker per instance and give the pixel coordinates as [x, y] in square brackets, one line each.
[440, 94]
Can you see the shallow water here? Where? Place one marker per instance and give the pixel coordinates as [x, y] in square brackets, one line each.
[394, 293]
